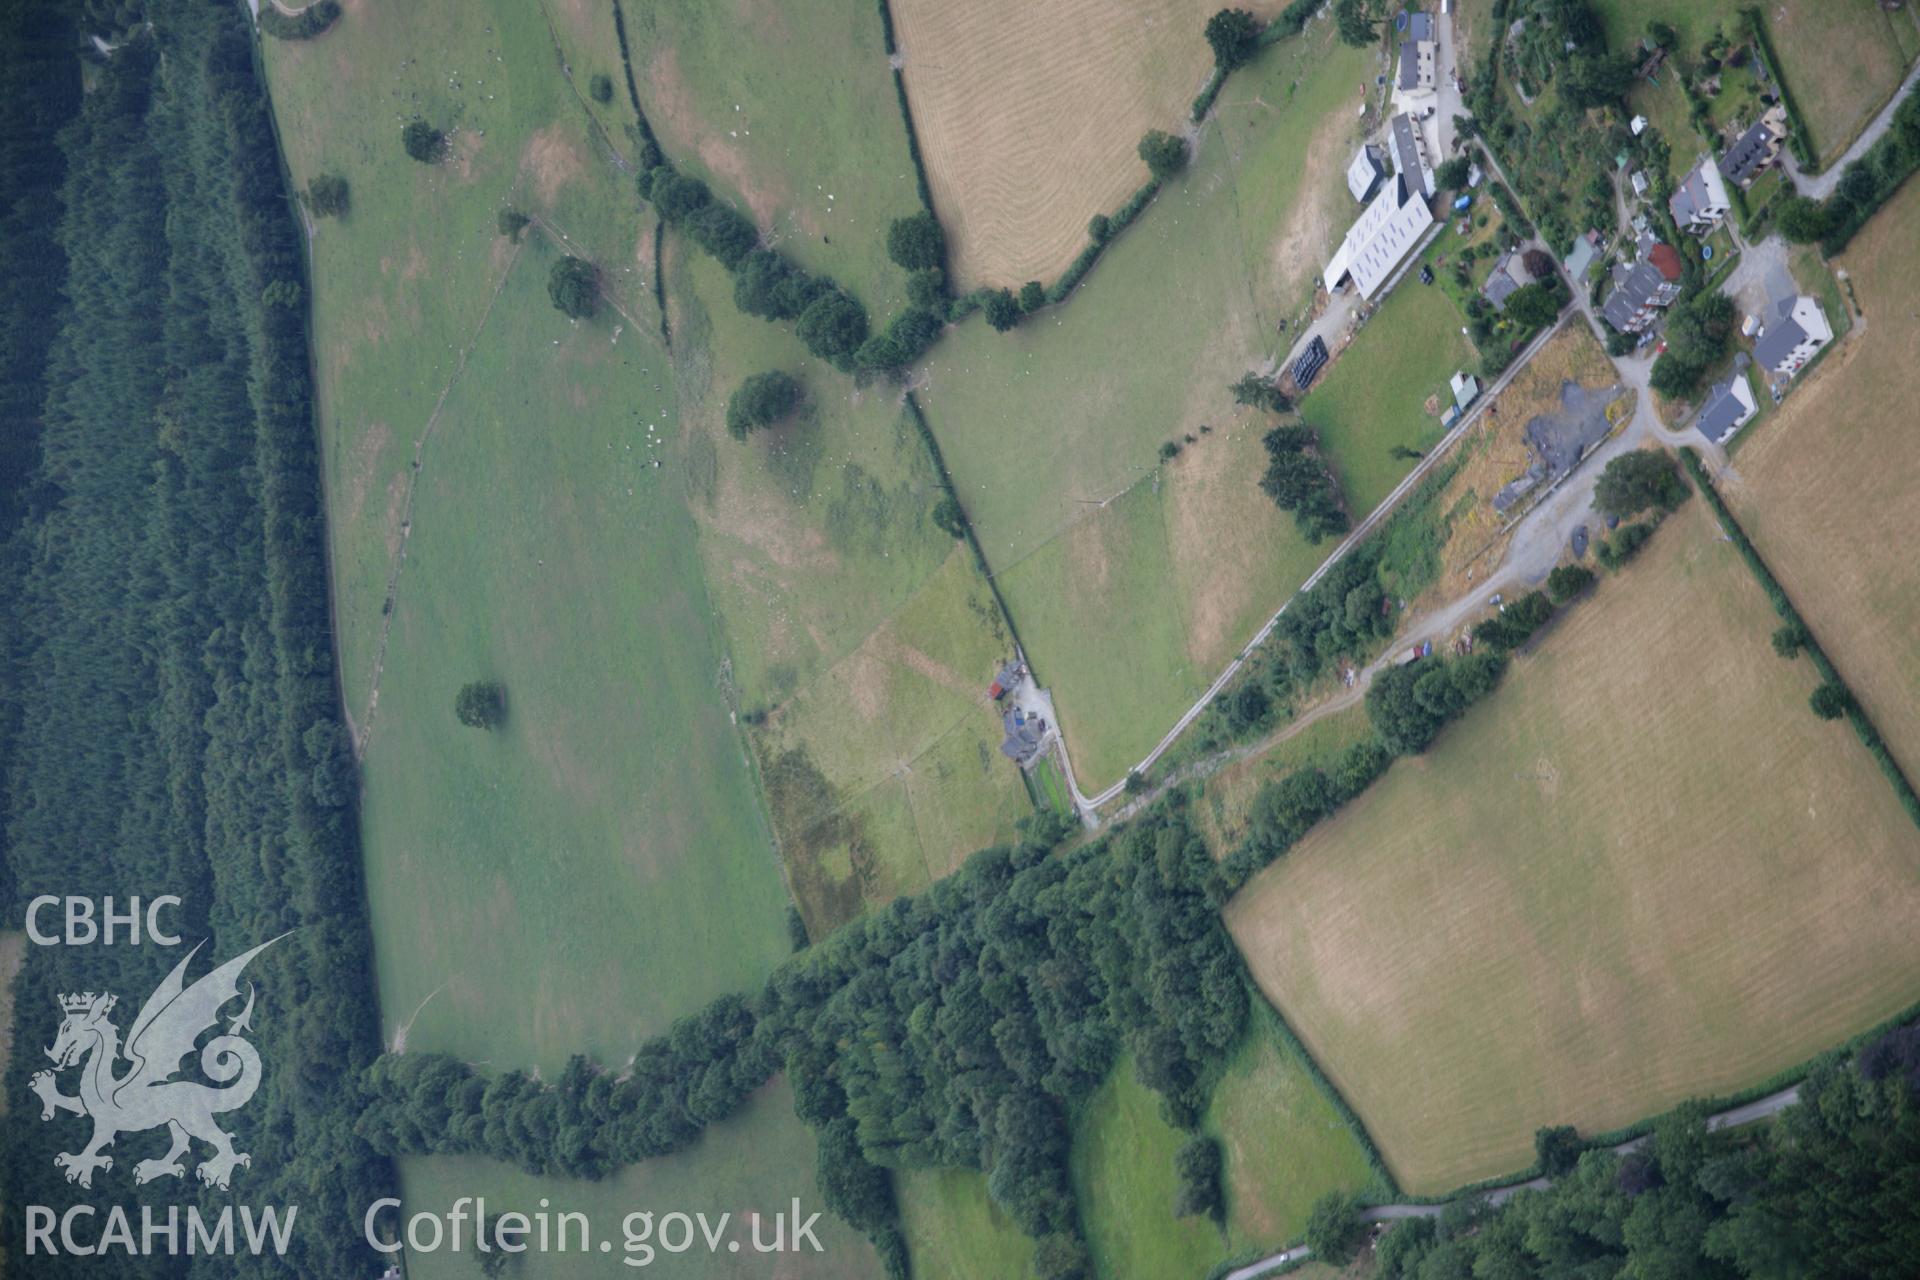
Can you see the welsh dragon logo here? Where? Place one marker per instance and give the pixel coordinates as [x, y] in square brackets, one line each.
[146, 1096]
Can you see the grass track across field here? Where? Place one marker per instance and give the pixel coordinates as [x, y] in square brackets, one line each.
[1640, 872]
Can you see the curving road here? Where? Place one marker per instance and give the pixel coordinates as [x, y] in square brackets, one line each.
[1821, 185]
[1732, 1118]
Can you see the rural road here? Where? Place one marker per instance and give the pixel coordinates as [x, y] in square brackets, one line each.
[1771, 1105]
[1089, 805]
[1821, 186]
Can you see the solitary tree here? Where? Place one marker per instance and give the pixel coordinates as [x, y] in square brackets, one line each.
[327, 196]
[1802, 220]
[1635, 481]
[1539, 263]
[1033, 296]
[762, 400]
[423, 142]
[1262, 393]
[601, 88]
[1533, 305]
[481, 704]
[1165, 154]
[916, 242]
[1333, 1229]
[1452, 174]
[1831, 700]
[511, 222]
[1196, 1168]
[1351, 18]
[1234, 36]
[1003, 309]
[1558, 1147]
[1788, 639]
[574, 286]
[833, 326]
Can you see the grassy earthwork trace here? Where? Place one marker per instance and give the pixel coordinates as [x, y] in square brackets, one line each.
[1495, 939]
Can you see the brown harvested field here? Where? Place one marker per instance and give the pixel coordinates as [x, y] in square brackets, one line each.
[1028, 116]
[1642, 871]
[1828, 487]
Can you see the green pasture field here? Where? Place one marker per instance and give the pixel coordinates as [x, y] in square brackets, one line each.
[1374, 396]
[404, 281]
[793, 111]
[1122, 1165]
[1046, 428]
[955, 1231]
[861, 636]
[756, 1161]
[598, 866]
[1611, 886]
[1285, 1144]
[1842, 59]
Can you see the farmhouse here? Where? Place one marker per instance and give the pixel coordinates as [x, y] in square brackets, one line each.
[1756, 150]
[1415, 77]
[1700, 203]
[1509, 274]
[1795, 331]
[1729, 405]
[1382, 237]
[1024, 735]
[1410, 153]
[1364, 174]
[1641, 290]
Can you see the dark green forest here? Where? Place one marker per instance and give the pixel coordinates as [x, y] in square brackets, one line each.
[172, 719]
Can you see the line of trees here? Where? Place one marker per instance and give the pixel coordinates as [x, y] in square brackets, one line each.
[1867, 183]
[955, 1029]
[1300, 482]
[173, 719]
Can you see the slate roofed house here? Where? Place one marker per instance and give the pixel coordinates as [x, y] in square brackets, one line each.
[1795, 331]
[1416, 63]
[1009, 677]
[1499, 287]
[1364, 174]
[1410, 153]
[1756, 150]
[1024, 734]
[1728, 407]
[1380, 239]
[1640, 290]
[1700, 203]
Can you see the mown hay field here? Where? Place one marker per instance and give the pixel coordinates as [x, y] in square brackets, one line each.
[1045, 428]
[1642, 871]
[1028, 116]
[1828, 486]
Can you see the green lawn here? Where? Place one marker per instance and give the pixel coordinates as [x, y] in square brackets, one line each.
[793, 112]
[1042, 425]
[954, 1230]
[610, 828]
[756, 1162]
[1374, 397]
[1285, 1144]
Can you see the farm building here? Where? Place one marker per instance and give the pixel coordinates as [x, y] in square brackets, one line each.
[1700, 203]
[1364, 174]
[1585, 250]
[1410, 153]
[1466, 389]
[1795, 331]
[1384, 234]
[1008, 678]
[1729, 405]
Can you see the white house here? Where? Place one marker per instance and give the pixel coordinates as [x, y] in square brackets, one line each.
[1700, 203]
[1795, 331]
[1729, 406]
[1380, 239]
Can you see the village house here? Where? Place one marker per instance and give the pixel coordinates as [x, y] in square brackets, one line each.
[1380, 239]
[1756, 150]
[1729, 405]
[1414, 78]
[1700, 203]
[1640, 290]
[1795, 330]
